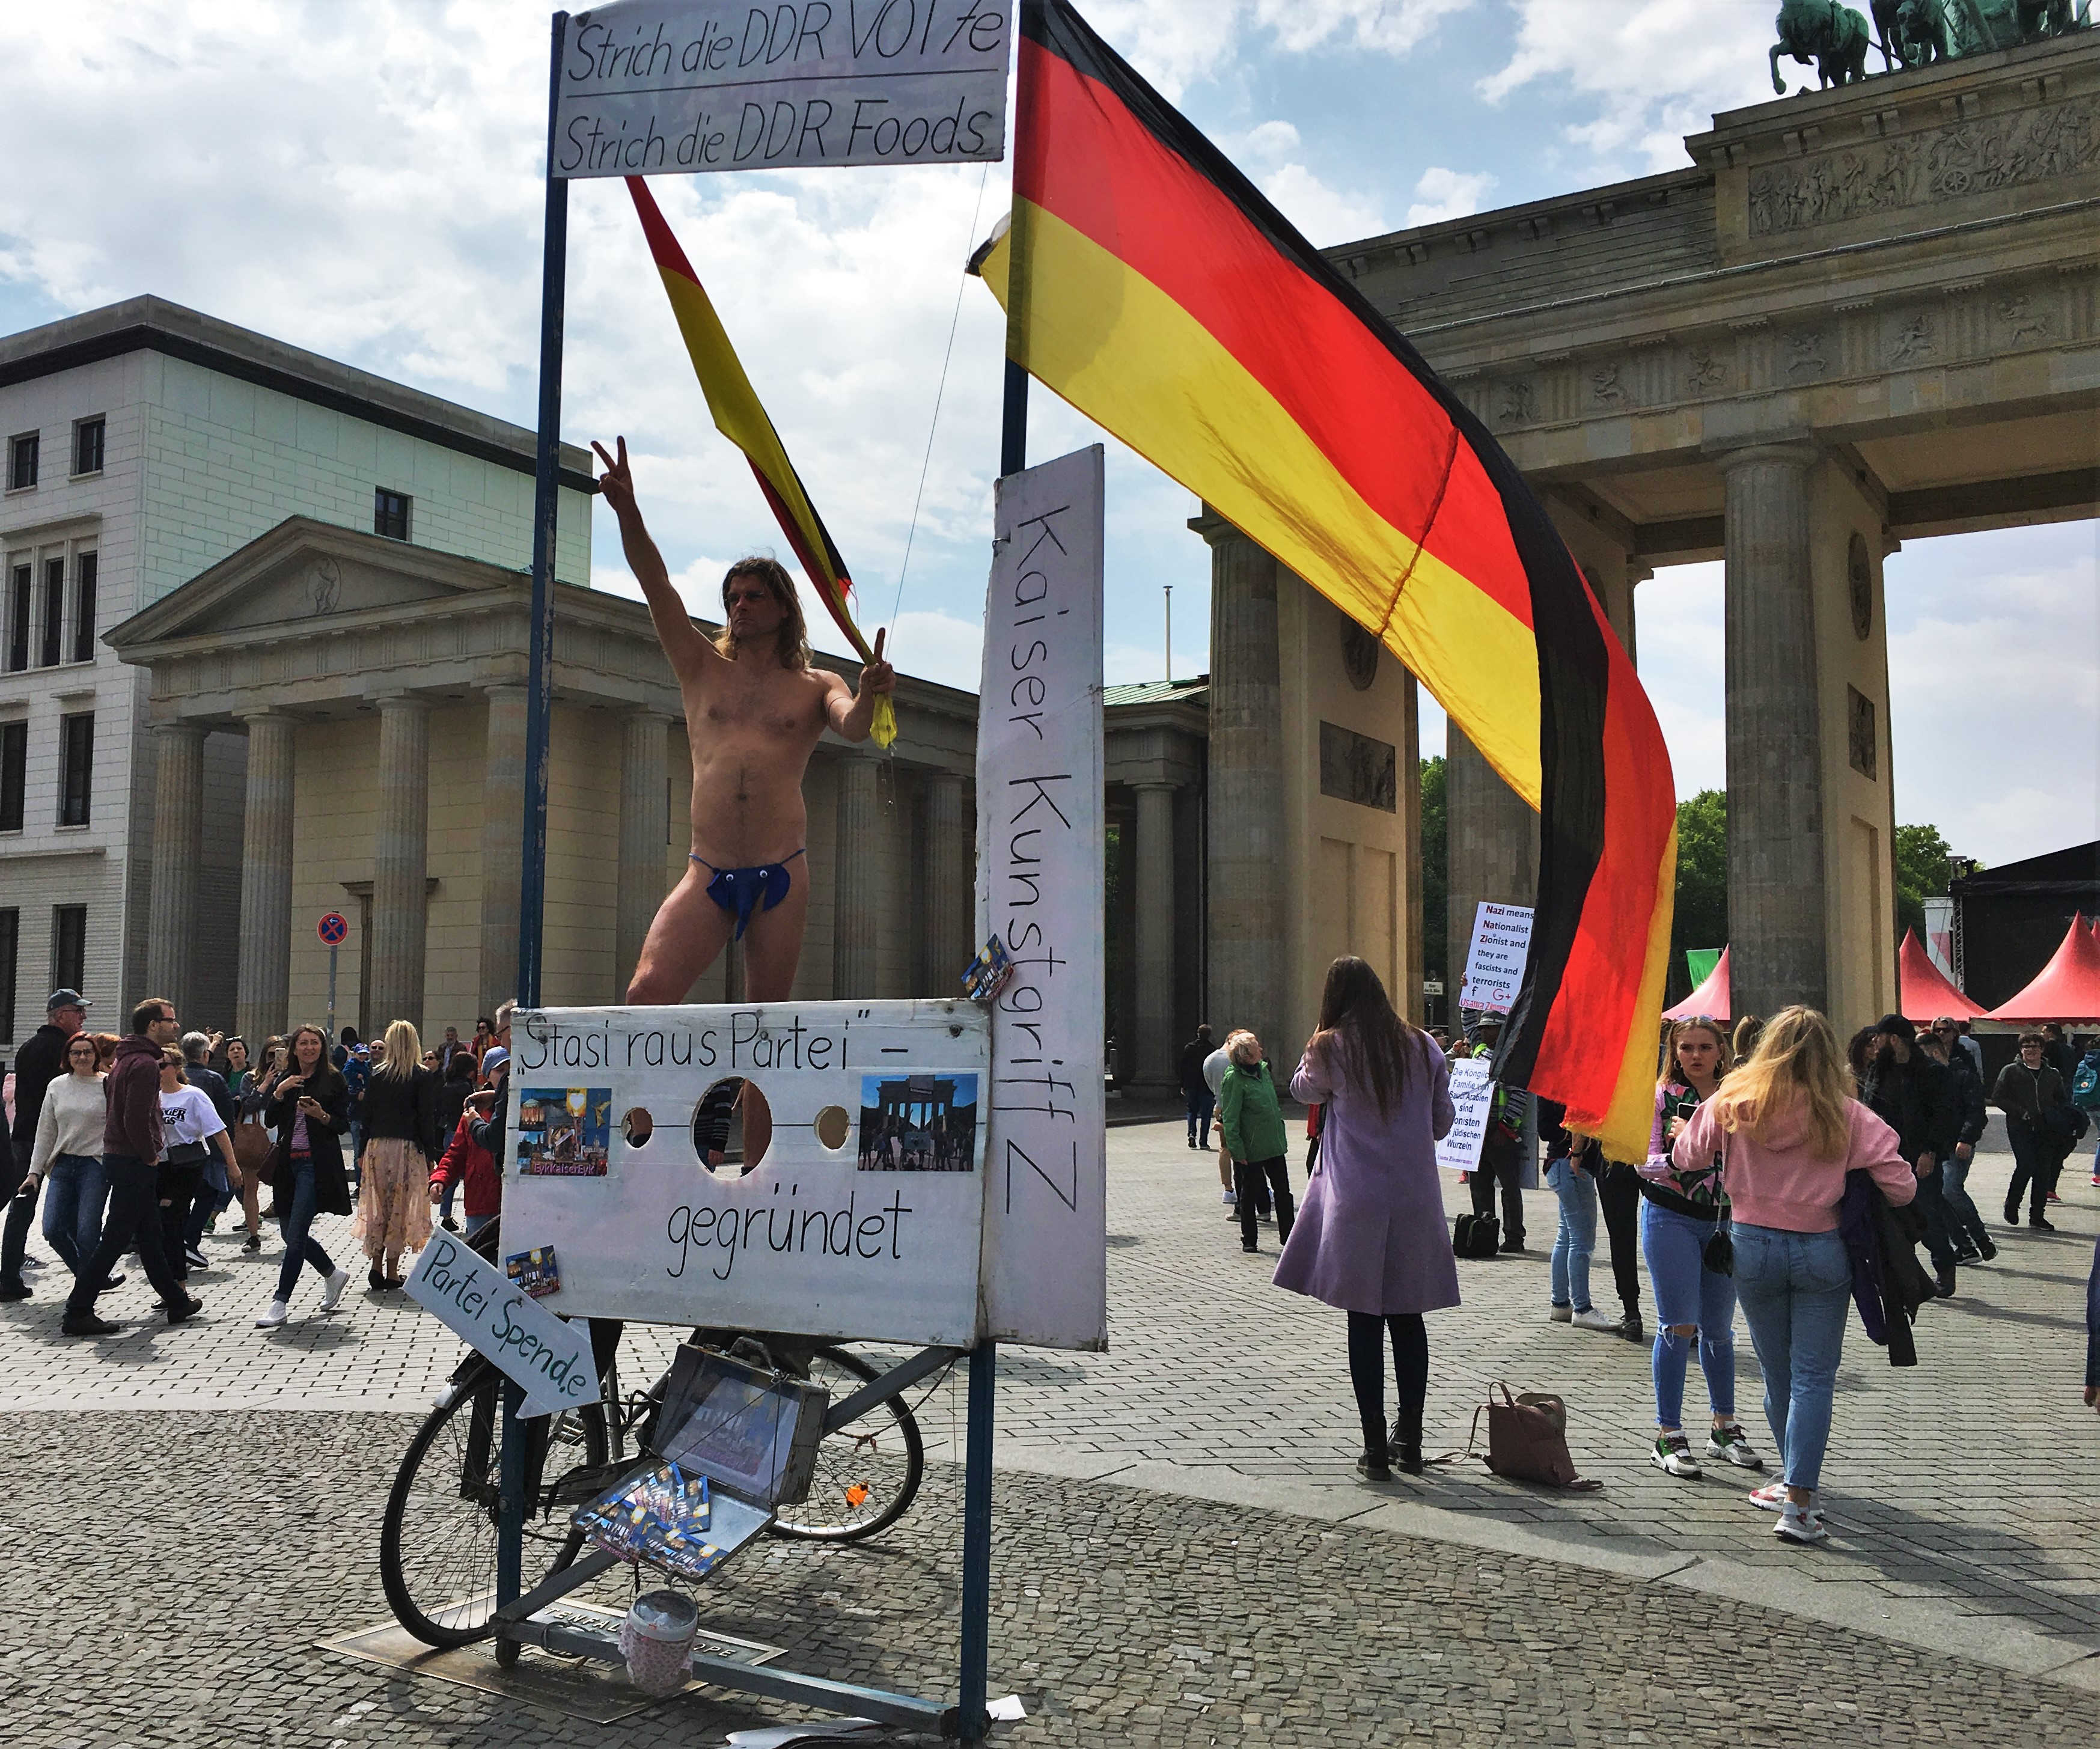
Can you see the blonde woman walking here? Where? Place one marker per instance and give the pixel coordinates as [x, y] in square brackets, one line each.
[400, 1122]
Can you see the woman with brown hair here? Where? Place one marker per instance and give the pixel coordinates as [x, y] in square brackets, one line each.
[308, 1111]
[1783, 1131]
[400, 1143]
[1371, 1240]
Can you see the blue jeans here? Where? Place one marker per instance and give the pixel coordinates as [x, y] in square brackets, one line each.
[298, 1200]
[1961, 1207]
[1200, 1105]
[1796, 1289]
[1688, 1292]
[1577, 1241]
[75, 1188]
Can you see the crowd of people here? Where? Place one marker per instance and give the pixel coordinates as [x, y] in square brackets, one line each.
[1787, 1176]
[138, 1145]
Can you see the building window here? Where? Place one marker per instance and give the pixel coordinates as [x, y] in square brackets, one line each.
[76, 767]
[87, 446]
[389, 513]
[69, 947]
[20, 592]
[84, 568]
[10, 936]
[52, 646]
[22, 461]
[14, 773]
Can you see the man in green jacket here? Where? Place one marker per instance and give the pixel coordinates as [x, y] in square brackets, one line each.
[1252, 1119]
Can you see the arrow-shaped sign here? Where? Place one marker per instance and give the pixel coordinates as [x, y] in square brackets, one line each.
[551, 1358]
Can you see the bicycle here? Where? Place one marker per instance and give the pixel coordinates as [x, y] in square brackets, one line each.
[438, 1537]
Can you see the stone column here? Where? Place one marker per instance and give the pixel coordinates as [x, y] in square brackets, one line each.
[178, 854]
[644, 822]
[950, 890]
[502, 843]
[1154, 1063]
[1776, 925]
[400, 862]
[264, 991]
[856, 879]
[1493, 848]
[1247, 955]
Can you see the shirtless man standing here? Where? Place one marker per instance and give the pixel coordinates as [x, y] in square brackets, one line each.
[754, 709]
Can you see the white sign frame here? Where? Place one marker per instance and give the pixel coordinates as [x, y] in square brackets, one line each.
[1495, 957]
[1473, 1093]
[1041, 889]
[868, 1254]
[681, 87]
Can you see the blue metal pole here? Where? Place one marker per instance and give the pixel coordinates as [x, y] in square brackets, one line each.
[977, 1543]
[539, 712]
[546, 504]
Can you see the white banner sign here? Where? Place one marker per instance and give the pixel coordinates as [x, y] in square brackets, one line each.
[631, 1130]
[662, 88]
[1471, 1092]
[490, 1312]
[1041, 880]
[1495, 959]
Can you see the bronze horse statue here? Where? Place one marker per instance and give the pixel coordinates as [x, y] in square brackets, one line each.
[1834, 37]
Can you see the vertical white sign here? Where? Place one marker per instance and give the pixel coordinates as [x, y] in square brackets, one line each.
[1041, 889]
[1495, 958]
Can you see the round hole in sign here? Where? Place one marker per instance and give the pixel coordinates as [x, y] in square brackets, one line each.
[732, 1127]
[637, 1127]
[834, 1125]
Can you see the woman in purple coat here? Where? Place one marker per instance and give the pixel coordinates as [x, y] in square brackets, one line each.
[1370, 1238]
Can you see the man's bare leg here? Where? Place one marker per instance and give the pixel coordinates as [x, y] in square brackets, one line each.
[688, 936]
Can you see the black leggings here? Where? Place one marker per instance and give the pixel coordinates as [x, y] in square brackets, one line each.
[1618, 1195]
[1410, 1365]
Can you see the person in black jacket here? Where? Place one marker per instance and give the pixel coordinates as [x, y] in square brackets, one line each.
[1915, 1095]
[401, 1144]
[1973, 1241]
[308, 1116]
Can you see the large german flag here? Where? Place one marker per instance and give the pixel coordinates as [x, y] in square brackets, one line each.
[1151, 285]
[741, 418]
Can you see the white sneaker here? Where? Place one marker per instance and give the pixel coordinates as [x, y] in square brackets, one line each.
[1591, 1318]
[277, 1313]
[333, 1292]
[1672, 1454]
[1729, 1442]
[1802, 1524]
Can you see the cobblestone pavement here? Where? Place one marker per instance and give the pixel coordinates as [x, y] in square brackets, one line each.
[1961, 1494]
[170, 1575]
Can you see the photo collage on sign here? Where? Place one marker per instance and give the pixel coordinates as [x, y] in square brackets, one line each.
[918, 1123]
[564, 1132]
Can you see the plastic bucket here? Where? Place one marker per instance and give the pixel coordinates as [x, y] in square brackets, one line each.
[656, 1638]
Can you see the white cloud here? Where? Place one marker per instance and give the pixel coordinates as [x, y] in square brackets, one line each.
[1444, 194]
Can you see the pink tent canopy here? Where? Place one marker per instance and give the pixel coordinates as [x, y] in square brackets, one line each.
[1925, 991]
[1710, 1001]
[2067, 988]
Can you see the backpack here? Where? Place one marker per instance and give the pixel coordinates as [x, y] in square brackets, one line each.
[1477, 1236]
[2085, 1084]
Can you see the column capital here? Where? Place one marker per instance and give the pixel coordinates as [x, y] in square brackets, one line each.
[1795, 452]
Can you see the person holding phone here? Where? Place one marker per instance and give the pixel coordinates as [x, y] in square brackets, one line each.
[308, 1114]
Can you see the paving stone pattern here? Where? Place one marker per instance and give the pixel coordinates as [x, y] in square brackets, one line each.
[171, 1574]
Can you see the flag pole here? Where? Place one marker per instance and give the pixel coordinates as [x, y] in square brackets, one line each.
[538, 712]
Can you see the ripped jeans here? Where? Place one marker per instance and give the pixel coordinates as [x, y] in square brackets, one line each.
[1688, 1292]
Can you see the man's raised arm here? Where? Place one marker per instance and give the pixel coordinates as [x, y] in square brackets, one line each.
[682, 639]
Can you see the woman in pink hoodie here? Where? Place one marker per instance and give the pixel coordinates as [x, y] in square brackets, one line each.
[1784, 1130]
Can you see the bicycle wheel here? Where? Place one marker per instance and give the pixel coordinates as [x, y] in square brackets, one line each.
[437, 1541]
[867, 1472]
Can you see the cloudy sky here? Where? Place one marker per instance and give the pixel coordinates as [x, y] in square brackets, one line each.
[363, 180]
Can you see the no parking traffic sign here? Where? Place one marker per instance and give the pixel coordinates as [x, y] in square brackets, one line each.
[334, 929]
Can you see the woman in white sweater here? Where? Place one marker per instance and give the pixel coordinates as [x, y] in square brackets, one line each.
[68, 1151]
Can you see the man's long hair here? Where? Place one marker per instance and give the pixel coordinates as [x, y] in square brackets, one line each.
[1376, 1044]
[793, 647]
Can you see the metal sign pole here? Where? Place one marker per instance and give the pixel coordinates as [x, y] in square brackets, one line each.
[538, 712]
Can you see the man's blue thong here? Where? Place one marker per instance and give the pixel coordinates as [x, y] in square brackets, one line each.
[744, 890]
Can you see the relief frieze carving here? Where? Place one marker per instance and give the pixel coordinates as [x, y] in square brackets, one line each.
[1970, 158]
